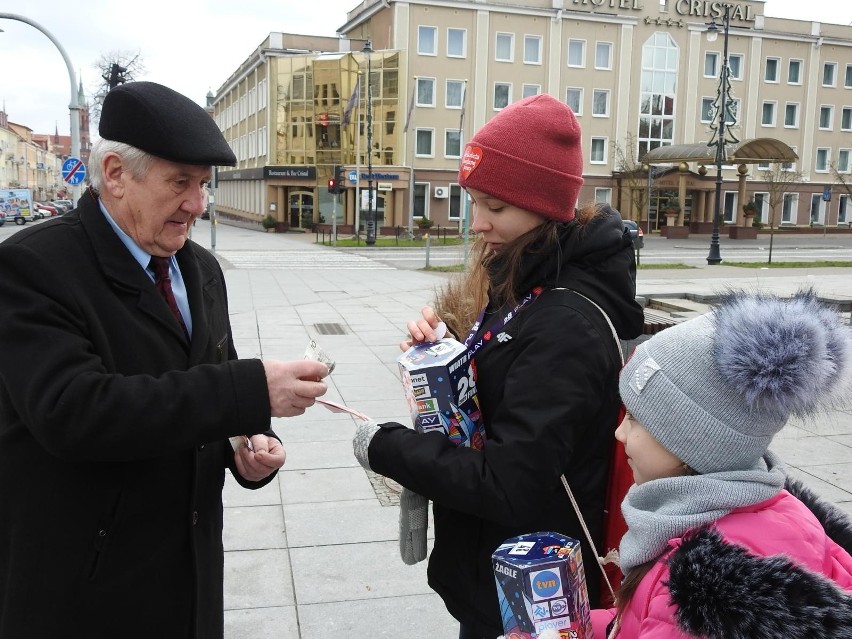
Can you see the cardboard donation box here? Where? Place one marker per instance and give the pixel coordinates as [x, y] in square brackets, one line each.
[541, 586]
[439, 380]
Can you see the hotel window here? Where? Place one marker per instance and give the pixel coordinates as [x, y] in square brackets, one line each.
[790, 166]
[846, 119]
[528, 90]
[532, 49]
[791, 115]
[823, 157]
[733, 108]
[729, 205]
[844, 212]
[708, 111]
[658, 88]
[794, 72]
[772, 65]
[574, 99]
[502, 95]
[711, 64]
[768, 117]
[847, 81]
[603, 55]
[576, 53]
[829, 74]
[598, 152]
[789, 204]
[452, 143]
[425, 92]
[456, 195]
[603, 195]
[843, 160]
[826, 116]
[427, 40]
[424, 147]
[504, 47]
[600, 103]
[763, 166]
[454, 94]
[816, 202]
[456, 43]
[421, 199]
[761, 199]
[735, 64]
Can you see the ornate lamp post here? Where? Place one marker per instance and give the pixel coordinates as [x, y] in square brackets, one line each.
[721, 132]
[371, 221]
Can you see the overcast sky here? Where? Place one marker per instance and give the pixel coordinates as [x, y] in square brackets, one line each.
[192, 46]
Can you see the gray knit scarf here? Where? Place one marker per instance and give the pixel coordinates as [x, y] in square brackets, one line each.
[664, 509]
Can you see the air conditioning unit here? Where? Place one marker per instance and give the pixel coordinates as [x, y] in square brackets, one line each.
[442, 192]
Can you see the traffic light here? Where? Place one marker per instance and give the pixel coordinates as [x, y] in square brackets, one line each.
[335, 182]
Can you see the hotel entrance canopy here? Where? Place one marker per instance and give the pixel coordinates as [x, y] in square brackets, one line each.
[746, 152]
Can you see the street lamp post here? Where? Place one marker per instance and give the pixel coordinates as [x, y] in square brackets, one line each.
[371, 221]
[75, 96]
[714, 256]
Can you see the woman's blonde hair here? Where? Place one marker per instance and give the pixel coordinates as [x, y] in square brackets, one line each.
[459, 301]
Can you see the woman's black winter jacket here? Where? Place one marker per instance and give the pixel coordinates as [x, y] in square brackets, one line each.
[547, 387]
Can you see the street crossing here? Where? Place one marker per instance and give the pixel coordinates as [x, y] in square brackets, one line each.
[316, 260]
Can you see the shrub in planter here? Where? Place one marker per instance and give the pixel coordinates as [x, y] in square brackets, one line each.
[425, 223]
[750, 208]
[269, 222]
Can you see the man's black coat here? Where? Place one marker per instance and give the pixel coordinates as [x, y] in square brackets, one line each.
[113, 437]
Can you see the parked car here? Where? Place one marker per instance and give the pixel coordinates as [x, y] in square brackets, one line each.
[49, 209]
[63, 206]
[2, 218]
[636, 233]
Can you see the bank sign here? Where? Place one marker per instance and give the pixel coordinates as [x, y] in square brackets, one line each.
[693, 8]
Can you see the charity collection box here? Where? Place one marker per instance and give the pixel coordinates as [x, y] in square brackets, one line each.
[541, 586]
[439, 380]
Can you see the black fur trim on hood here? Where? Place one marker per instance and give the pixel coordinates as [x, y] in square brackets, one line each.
[837, 524]
[724, 592]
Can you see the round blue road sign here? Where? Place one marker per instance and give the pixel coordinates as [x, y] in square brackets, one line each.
[73, 171]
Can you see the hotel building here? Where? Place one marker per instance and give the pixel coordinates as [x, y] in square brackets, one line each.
[639, 74]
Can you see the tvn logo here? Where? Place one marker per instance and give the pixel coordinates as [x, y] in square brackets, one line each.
[545, 584]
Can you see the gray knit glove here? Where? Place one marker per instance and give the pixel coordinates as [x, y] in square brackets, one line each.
[361, 441]
[413, 524]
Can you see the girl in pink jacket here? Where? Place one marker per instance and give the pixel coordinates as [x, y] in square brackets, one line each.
[720, 543]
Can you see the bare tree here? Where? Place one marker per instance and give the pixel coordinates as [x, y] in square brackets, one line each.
[114, 68]
[841, 179]
[632, 173]
[779, 177]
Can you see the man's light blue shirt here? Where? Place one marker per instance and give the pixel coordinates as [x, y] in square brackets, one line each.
[144, 259]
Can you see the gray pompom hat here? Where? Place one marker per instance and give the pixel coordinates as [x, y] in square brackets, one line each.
[715, 390]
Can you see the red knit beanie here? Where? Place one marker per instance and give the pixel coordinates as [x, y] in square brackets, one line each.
[528, 155]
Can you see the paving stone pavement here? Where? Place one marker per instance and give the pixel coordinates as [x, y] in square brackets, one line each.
[314, 554]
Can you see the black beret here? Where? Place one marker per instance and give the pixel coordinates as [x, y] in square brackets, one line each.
[164, 123]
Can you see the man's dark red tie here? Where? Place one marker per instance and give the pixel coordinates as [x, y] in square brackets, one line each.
[160, 266]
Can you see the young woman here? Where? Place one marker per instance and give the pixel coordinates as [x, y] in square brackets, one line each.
[716, 545]
[545, 357]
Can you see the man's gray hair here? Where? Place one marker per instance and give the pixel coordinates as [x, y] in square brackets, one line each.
[136, 161]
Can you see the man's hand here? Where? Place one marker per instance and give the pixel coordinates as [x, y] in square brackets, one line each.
[293, 386]
[267, 457]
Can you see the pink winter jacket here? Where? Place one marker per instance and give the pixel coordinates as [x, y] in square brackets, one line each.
[782, 525]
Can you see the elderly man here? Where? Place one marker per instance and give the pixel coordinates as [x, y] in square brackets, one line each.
[120, 388]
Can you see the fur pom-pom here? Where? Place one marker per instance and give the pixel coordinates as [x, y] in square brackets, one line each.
[784, 355]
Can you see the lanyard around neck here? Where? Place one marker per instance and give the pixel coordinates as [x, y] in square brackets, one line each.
[499, 323]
